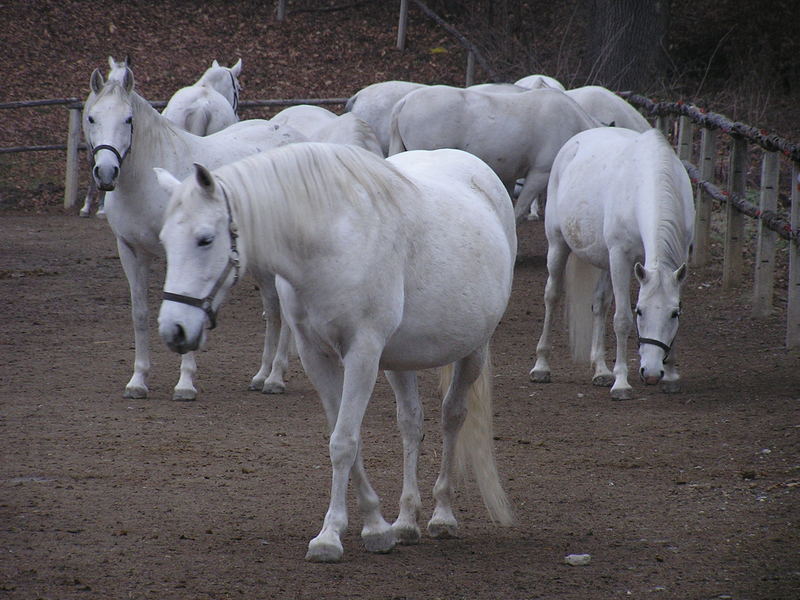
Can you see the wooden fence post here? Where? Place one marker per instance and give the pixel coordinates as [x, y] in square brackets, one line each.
[793, 292]
[470, 78]
[764, 276]
[701, 252]
[402, 25]
[685, 138]
[73, 171]
[733, 264]
[281, 10]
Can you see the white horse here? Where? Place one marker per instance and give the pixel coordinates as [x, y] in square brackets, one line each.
[116, 71]
[518, 135]
[210, 104]
[617, 197]
[321, 125]
[127, 138]
[399, 264]
[537, 82]
[608, 108]
[373, 105]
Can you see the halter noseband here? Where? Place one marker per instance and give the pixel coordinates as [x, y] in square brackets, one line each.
[667, 348]
[120, 157]
[207, 304]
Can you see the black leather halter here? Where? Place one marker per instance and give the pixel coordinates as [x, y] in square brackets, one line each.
[667, 348]
[120, 157]
[207, 304]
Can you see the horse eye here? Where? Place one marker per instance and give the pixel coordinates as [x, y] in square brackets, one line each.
[205, 241]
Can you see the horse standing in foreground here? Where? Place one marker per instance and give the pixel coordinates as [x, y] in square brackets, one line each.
[617, 197]
[400, 264]
[128, 138]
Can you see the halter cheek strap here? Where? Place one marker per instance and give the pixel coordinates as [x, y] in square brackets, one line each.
[207, 304]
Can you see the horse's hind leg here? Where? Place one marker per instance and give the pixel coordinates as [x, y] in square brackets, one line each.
[528, 205]
[409, 420]
[443, 523]
[600, 305]
[277, 337]
[557, 254]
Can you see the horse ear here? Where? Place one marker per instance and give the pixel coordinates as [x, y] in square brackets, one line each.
[111, 62]
[204, 178]
[128, 82]
[166, 180]
[237, 68]
[96, 81]
[214, 64]
[641, 274]
[612, 124]
[680, 274]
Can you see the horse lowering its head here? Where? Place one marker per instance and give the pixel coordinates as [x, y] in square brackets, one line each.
[108, 123]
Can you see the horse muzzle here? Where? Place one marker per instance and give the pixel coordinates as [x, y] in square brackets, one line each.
[181, 335]
[105, 177]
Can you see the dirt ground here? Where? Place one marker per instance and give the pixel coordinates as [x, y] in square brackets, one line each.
[683, 496]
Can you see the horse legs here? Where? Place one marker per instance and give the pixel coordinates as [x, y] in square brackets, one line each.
[277, 336]
[557, 254]
[528, 200]
[443, 523]
[137, 269]
[601, 302]
[409, 420]
[345, 394]
[623, 321]
[671, 382]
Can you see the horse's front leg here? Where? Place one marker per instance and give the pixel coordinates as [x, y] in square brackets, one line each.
[557, 254]
[671, 382]
[136, 264]
[623, 321]
[277, 338]
[185, 390]
[528, 205]
[410, 422]
[601, 302]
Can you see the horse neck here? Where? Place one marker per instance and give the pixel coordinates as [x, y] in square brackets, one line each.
[661, 223]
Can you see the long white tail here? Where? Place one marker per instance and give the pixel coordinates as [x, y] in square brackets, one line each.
[475, 444]
[396, 144]
[580, 280]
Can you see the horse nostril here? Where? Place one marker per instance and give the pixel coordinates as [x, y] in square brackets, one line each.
[180, 335]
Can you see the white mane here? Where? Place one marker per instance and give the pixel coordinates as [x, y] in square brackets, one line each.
[299, 189]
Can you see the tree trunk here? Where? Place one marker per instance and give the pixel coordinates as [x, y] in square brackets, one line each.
[626, 43]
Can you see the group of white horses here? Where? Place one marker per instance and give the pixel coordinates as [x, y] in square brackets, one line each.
[397, 264]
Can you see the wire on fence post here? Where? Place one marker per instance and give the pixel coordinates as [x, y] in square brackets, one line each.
[72, 169]
[701, 251]
[764, 276]
[793, 292]
[733, 264]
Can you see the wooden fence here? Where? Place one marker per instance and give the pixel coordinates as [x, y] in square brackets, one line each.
[689, 120]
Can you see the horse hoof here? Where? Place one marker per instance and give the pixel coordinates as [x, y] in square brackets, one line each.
[407, 535]
[603, 380]
[540, 376]
[442, 530]
[256, 385]
[622, 394]
[380, 542]
[273, 388]
[184, 395]
[324, 552]
[670, 387]
[135, 393]
[85, 214]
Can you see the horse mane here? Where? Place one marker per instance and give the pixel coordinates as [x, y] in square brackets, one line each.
[308, 185]
[667, 198]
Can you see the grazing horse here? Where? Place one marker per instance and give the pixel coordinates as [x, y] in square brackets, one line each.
[608, 108]
[617, 197]
[321, 125]
[518, 135]
[400, 264]
[127, 138]
[210, 104]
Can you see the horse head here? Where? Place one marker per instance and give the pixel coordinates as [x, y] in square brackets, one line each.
[108, 123]
[225, 80]
[658, 309]
[199, 238]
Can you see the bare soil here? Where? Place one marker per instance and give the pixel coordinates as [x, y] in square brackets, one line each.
[686, 496]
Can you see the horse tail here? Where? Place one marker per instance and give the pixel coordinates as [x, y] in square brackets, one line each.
[580, 281]
[197, 120]
[475, 443]
[396, 144]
